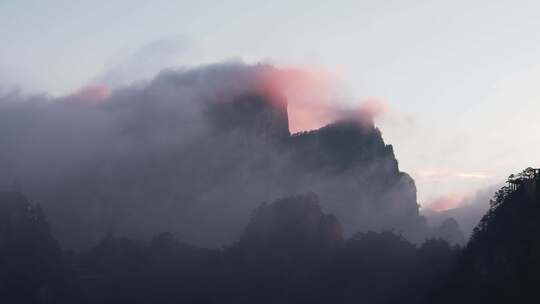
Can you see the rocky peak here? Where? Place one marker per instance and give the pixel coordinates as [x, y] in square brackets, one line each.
[344, 145]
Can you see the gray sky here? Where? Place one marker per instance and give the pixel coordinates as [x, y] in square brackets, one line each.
[461, 77]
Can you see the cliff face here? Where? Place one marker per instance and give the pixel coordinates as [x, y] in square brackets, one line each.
[358, 176]
[261, 116]
[347, 164]
[341, 146]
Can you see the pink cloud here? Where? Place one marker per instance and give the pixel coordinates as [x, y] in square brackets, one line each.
[93, 93]
[315, 98]
[446, 202]
[445, 173]
[312, 95]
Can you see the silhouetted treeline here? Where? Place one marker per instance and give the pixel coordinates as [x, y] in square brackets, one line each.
[32, 266]
[501, 262]
[290, 252]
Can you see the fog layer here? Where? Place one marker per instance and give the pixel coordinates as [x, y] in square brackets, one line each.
[193, 152]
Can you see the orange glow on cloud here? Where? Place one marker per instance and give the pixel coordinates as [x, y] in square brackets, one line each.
[310, 92]
[315, 97]
[472, 175]
[373, 108]
[445, 173]
[446, 202]
[93, 93]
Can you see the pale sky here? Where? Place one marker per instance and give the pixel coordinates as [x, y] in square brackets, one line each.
[462, 78]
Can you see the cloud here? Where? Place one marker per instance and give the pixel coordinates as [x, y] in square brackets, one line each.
[93, 93]
[144, 62]
[446, 202]
[199, 147]
[472, 175]
[467, 208]
[315, 95]
[373, 108]
[438, 173]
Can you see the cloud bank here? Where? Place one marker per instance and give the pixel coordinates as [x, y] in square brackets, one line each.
[194, 151]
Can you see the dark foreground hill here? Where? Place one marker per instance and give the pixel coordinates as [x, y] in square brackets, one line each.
[290, 252]
[501, 262]
[31, 262]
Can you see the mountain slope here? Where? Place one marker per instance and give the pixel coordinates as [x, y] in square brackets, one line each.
[501, 262]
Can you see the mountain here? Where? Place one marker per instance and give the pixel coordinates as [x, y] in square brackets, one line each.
[468, 214]
[357, 174]
[290, 227]
[501, 262]
[197, 148]
[260, 115]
